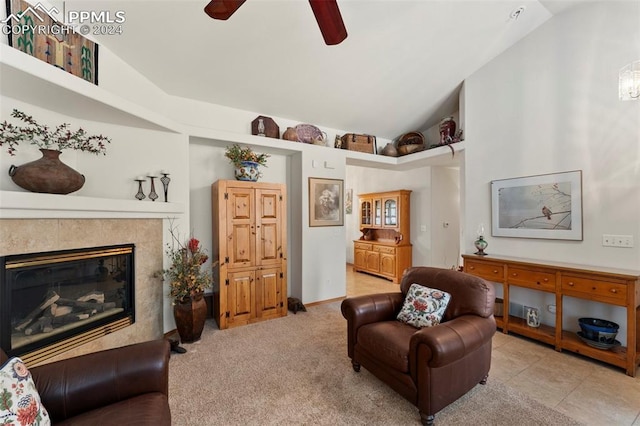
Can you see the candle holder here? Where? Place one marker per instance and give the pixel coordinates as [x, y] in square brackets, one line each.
[140, 195]
[153, 195]
[165, 179]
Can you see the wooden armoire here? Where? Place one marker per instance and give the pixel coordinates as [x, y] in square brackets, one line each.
[250, 248]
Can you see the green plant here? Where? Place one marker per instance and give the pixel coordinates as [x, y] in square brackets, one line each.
[237, 155]
[186, 274]
[43, 137]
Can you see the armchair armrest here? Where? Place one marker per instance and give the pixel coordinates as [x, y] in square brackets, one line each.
[451, 340]
[362, 310]
[73, 386]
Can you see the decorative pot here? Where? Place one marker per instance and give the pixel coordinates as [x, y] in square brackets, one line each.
[190, 316]
[390, 150]
[447, 130]
[290, 134]
[248, 171]
[47, 174]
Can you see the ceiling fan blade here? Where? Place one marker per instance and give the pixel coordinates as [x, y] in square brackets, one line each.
[222, 9]
[329, 20]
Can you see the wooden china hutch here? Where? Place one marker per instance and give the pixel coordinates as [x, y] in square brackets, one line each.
[384, 249]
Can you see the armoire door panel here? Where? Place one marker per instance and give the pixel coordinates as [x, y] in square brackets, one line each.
[268, 227]
[268, 203]
[268, 243]
[240, 293]
[240, 245]
[242, 203]
[268, 292]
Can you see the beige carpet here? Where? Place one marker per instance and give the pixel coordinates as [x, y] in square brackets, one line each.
[295, 370]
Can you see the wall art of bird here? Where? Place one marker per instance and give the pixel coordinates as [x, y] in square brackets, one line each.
[547, 212]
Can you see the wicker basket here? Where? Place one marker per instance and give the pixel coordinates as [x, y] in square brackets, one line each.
[410, 142]
[360, 143]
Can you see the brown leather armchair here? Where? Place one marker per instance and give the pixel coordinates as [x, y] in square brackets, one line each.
[121, 386]
[432, 366]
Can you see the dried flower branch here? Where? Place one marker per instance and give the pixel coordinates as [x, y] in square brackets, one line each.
[44, 137]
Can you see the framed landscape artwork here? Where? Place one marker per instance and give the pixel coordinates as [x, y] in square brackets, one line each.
[326, 201]
[543, 206]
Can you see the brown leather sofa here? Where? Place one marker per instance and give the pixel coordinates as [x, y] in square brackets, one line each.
[432, 366]
[122, 386]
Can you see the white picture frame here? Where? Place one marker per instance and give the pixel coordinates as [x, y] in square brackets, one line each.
[542, 206]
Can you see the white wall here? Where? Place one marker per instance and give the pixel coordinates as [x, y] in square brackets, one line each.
[550, 104]
[323, 256]
[445, 217]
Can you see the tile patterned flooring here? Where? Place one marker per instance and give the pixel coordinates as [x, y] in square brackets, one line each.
[589, 391]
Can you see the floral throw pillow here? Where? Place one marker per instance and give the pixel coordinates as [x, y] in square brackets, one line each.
[19, 400]
[423, 306]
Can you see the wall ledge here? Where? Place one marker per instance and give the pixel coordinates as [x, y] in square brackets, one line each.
[28, 205]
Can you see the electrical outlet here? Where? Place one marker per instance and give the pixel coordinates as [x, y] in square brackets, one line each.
[551, 308]
[608, 241]
[625, 241]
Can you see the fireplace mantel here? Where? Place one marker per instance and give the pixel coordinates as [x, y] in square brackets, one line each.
[28, 205]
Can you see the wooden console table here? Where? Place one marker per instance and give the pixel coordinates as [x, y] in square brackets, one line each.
[605, 285]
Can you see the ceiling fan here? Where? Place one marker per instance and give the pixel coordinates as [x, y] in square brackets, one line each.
[326, 12]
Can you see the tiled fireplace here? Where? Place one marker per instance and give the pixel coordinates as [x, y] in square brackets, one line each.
[23, 236]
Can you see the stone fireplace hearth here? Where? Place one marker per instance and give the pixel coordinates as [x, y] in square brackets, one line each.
[19, 236]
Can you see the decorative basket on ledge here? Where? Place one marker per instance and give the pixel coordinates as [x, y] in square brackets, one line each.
[410, 142]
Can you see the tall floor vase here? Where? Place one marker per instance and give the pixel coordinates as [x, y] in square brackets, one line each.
[190, 316]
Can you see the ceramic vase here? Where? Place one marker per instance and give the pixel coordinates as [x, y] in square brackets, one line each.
[481, 244]
[47, 175]
[248, 171]
[190, 316]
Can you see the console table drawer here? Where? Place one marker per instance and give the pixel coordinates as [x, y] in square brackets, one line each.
[383, 249]
[538, 280]
[488, 271]
[595, 288]
[362, 246]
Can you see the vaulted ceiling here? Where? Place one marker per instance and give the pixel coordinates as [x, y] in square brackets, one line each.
[400, 68]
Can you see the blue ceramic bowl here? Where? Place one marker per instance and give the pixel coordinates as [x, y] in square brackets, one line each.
[592, 327]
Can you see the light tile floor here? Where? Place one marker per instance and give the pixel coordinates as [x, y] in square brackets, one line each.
[589, 391]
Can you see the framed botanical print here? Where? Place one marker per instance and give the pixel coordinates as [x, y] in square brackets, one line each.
[326, 201]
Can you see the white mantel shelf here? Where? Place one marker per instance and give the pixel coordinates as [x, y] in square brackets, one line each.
[28, 205]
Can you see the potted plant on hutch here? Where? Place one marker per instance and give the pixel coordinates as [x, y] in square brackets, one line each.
[48, 174]
[187, 282]
[246, 162]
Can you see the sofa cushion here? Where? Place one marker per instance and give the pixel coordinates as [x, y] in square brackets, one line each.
[19, 399]
[423, 306]
[389, 341]
[147, 409]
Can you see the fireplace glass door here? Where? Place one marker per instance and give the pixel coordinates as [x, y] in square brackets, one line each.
[56, 296]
